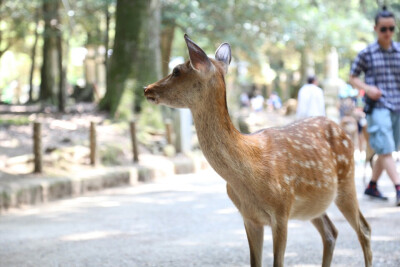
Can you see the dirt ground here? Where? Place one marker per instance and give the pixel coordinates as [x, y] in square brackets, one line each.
[65, 140]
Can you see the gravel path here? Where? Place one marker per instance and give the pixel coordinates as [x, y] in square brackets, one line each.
[184, 220]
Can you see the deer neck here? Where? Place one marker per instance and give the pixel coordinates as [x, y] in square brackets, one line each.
[222, 144]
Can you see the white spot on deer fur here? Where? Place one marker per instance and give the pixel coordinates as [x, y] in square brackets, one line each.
[278, 186]
[296, 147]
[292, 190]
[307, 165]
[345, 143]
[335, 132]
[342, 158]
[287, 179]
[305, 146]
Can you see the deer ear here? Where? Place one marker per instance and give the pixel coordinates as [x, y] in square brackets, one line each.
[223, 54]
[198, 58]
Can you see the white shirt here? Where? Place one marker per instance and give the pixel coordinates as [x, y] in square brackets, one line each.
[310, 102]
[257, 103]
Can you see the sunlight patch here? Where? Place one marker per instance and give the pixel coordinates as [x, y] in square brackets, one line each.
[90, 236]
[384, 238]
[227, 211]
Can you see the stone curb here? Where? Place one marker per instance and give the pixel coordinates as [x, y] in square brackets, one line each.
[31, 191]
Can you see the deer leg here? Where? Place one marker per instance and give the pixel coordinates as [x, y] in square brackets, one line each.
[279, 233]
[255, 236]
[328, 234]
[347, 203]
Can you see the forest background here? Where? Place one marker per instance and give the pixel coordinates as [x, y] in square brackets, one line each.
[55, 53]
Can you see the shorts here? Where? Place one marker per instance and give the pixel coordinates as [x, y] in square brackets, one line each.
[384, 130]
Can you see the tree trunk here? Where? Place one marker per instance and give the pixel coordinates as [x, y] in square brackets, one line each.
[33, 56]
[307, 66]
[149, 64]
[167, 37]
[62, 98]
[48, 87]
[107, 34]
[129, 17]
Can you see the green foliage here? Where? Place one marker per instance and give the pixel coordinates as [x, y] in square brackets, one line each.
[89, 17]
[280, 29]
[17, 120]
[15, 20]
[150, 121]
[259, 31]
[151, 117]
[110, 154]
[125, 108]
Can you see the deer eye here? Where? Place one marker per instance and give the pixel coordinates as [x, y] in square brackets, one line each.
[175, 72]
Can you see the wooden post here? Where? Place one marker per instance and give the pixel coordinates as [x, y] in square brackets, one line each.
[93, 146]
[168, 131]
[134, 141]
[37, 146]
[177, 128]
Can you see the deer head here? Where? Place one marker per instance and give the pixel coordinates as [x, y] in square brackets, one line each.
[190, 82]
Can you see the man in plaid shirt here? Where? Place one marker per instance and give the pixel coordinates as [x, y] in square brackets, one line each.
[380, 63]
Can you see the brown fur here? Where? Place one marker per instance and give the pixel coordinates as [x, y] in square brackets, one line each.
[276, 174]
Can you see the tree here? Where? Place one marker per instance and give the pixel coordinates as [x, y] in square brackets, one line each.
[129, 18]
[14, 21]
[93, 18]
[148, 65]
[50, 67]
[33, 54]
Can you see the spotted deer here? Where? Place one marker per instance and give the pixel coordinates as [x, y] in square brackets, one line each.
[273, 175]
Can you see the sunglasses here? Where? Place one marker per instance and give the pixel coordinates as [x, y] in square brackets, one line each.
[384, 29]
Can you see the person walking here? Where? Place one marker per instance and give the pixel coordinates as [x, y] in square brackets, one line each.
[310, 101]
[380, 63]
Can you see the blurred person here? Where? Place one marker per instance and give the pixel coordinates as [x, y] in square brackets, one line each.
[257, 101]
[244, 100]
[310, 101]
[380, 63]
[274, 101]
[347, 107]
[361, 120]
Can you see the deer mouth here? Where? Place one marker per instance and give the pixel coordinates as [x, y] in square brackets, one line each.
[152, 99]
